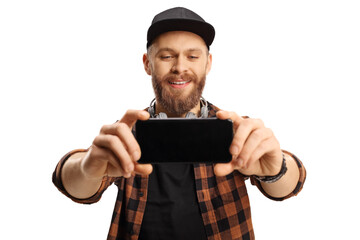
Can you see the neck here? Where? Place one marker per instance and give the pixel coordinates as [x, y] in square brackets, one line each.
[159, 108]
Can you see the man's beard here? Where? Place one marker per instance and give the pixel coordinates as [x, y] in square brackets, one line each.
[173, 102]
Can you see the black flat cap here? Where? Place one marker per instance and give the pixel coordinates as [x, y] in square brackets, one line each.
[180, 19]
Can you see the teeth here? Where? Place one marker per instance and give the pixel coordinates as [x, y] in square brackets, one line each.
[179, 83]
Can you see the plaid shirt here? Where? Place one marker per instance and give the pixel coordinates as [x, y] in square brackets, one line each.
[223, 201]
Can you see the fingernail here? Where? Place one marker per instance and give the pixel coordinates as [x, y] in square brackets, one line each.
[130, 168]
[127, 175]
[234, 150]
[135, 155]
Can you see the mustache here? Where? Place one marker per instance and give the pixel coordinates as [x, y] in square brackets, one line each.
[185, 76]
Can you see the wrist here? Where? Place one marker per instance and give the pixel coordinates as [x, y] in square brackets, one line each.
[277, 177]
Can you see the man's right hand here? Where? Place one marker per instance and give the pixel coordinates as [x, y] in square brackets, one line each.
[115, 151]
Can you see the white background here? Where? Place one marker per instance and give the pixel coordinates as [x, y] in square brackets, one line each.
[68, 67]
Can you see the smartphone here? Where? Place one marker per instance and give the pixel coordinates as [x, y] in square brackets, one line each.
[181, 140]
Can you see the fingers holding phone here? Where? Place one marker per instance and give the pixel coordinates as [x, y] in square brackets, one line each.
[115, 151]
[255, 149]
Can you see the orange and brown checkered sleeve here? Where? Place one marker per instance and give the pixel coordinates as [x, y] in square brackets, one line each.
[56, 178]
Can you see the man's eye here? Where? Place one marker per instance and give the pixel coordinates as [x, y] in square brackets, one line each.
[165, 57]
[193, 57]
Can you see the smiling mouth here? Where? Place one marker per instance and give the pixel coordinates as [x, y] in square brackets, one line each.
[179, 82]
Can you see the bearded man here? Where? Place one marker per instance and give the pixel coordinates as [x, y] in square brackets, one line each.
[180, 201]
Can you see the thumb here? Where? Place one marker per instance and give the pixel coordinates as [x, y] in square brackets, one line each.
[143, 169]
[223, 169]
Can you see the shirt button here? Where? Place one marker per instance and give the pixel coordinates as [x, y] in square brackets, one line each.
[141, 194]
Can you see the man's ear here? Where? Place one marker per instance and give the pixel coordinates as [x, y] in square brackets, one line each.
[209, 64]
[146, 63]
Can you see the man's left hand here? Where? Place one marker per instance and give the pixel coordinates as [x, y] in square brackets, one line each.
[254, 148]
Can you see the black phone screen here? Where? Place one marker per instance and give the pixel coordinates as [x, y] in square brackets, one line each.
[181, 140]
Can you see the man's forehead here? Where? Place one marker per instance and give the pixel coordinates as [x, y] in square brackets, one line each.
[167, 49]
[176, 50]
[180, 40]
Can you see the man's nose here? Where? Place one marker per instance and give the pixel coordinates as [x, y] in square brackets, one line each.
[180, 65]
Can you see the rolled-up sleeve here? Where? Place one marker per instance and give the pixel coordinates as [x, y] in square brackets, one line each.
[56, 178]
[298, 187]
